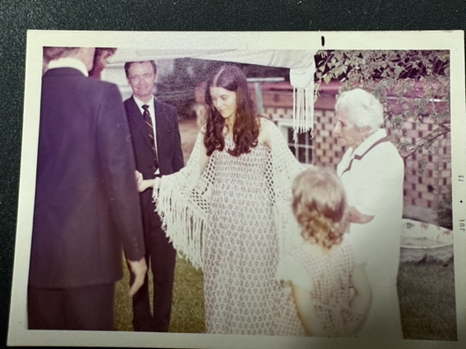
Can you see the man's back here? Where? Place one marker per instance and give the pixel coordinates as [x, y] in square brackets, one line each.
[85, 192]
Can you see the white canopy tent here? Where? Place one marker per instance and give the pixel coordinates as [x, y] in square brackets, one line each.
[300, 62]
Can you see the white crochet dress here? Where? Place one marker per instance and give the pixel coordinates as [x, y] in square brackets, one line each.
[241, 248]
[234, 221]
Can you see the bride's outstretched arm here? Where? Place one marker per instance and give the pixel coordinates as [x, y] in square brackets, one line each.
[203, 157]
[144, 184]
[183, 202]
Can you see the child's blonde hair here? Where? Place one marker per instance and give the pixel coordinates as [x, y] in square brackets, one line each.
[319, 205]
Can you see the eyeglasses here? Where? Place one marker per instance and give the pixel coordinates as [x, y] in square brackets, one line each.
[137, 78]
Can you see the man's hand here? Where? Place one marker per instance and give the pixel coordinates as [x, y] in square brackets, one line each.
[139, 270]
[144, 184]
[139, 181]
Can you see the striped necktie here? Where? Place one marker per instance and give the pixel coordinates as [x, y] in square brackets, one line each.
[150, 130]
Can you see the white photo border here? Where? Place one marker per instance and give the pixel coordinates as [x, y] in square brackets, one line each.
[19, 335]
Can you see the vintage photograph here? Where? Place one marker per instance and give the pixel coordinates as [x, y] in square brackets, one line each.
[275, 189]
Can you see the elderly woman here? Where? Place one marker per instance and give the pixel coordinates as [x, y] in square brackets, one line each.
[372, 173]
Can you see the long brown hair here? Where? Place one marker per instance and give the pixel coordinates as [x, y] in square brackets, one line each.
[246, 126]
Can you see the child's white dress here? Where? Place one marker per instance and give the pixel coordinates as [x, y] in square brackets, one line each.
[328, 279]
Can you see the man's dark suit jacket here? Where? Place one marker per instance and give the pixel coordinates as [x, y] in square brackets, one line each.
[170, 156]
[86, 204]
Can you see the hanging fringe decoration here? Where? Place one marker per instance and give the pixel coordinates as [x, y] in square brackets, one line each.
[302, 81]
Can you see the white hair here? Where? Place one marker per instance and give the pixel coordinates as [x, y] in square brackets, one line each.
[363, 109]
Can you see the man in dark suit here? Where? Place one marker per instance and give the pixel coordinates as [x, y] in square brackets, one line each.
[155, 152]
[86, 204]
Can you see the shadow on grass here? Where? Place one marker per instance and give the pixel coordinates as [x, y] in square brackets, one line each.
[427, 300]
[188, 300]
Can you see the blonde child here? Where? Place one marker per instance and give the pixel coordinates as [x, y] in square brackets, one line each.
[328, 293]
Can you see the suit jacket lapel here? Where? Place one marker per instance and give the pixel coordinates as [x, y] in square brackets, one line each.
[161, 125]
[359, 157]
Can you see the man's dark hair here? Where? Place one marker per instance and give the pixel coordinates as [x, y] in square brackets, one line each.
[128, 65]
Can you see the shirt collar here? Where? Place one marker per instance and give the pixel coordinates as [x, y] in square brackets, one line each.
[377, 135]
[68, 62]
[141, 103]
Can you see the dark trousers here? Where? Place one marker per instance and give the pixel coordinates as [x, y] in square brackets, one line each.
[77, 308]
[161, 257]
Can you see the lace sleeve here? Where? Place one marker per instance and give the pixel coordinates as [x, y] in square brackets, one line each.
[183, 203]
[282, 170]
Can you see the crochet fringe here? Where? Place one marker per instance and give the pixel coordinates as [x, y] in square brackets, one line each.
[183, 200]
[303, 111]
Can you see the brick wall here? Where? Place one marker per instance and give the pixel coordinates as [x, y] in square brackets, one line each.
[421, 191]
[427, 189]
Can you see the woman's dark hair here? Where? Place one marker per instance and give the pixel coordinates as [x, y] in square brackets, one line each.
[246, 126]
[99, 65]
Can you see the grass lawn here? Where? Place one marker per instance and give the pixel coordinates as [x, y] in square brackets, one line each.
[426, 291]
[427, 300]
[188, 300]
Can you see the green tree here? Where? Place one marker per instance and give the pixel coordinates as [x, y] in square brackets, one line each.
[413, 86]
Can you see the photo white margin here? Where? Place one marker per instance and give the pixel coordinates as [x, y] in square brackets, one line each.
[19, 335]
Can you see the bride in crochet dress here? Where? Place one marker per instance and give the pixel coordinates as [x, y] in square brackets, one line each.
[229, 210]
